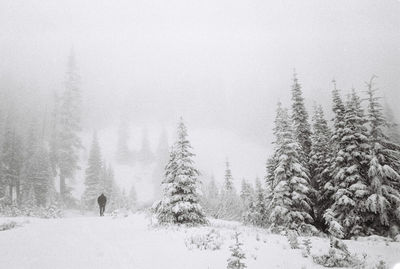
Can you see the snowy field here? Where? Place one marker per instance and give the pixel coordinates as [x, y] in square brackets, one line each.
[133, 242]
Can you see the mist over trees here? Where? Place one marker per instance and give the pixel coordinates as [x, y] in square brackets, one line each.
[340, 176]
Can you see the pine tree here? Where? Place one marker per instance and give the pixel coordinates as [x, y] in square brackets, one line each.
[258, 211]
[350, 170]
[228, 179]
[93, 175]
[338, 134]
[246, 193]
[115, 192]
[384, 199]
[230, 207]
[37, 175]
[211, 199]
[31, 143]
[302, 129]
[69, 142]
[339, 119]
[103, 185]
[271, 165]
[54, 132]
[111, 190]
[145, 155]
[320, 160]
[237, 255]
[41, 175]
[289, 203]
[180, 203]
[12, 161]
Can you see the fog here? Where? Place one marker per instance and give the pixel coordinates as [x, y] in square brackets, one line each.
[221, 65]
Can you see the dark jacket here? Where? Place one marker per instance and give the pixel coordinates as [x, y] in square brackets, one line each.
[102, 200]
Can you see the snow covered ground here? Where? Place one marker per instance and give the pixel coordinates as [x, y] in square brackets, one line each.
[132, 242]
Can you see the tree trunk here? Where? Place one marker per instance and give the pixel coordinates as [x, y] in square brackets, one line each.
[17, 192]
[10, 190]
[62, 187]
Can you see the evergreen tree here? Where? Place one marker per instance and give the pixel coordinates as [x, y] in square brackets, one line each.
[271, 165]
[289, 203]
[11, 161]
[320, 150]
[39, 172]
[384, 199]
[212, 190]
[31, 147]
[54, 132]
[180, 203]
[320, 160]
[230, 207]
[338, 134]
[104, 184]
[237, 255]
[258, 211]
[350, 170]
[69, 142]
[93, 175]
[115, 192]
[211, 199]
[145, 155]
[246, 193]
[339, 119]
[228, 179]
[302, 129]
[111, 190]
[37, 175]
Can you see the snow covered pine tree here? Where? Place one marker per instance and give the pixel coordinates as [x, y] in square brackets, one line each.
[93, 176]
[289, 203]
[383, 201]
[350, 169]
[237, 255]
[180, 203]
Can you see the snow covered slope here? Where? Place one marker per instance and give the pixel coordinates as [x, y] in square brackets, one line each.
[131, 242]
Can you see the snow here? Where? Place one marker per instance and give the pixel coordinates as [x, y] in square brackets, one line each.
[132, 242]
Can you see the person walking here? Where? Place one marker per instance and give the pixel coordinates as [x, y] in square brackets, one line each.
[102, 200]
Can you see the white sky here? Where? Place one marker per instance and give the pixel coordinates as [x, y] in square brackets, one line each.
[222, 64]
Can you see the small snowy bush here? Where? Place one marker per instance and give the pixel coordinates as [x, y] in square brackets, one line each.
[292, 238]
[396, 238]
[338, 256]
[307, 246]
[50, 212]
[211, 240]
[8, 225]
[237, 255]
[381, 265]
[10, 211]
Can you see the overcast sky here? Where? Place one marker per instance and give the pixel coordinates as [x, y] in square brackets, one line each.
[221, 64]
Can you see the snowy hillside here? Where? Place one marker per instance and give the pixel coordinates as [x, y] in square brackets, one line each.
[132, 242]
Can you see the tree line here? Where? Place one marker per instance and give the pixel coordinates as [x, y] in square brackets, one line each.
[343, 179]
[40, 152]
[34, 155]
